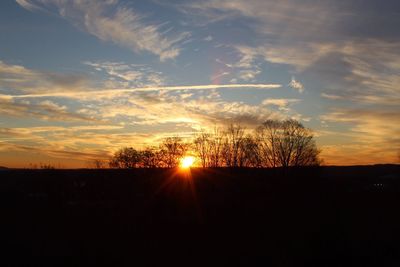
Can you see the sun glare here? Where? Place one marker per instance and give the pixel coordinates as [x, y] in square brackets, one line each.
[187, 162]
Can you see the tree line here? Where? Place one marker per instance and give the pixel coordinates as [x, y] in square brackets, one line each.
[274, 143]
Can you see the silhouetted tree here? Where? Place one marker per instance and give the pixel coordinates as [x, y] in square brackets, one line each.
[172, 150]
[249, 153]
[47, 166]
[287, 143]
[97, 164]
[149, 158]
[274, 144]
[125, 158]
[216, 144]
[208, 147]
[266, 136]
[234, 136]
[202, 146]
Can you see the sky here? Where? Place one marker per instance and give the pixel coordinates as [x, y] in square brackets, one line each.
[80, 79]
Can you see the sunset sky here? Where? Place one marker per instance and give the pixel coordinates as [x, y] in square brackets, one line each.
[80, 79]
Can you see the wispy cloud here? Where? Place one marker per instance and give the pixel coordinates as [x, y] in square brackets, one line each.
[44, 110]
[219, 75]
[121, 74]
[330, 96]
[112, 21]
[281, 103]
[28, 5]
[190, 106]
[114, 92]
[299, 55]
[224, 63]
[24, 80]
[373, 133]
[246, 69]
[359, 66]
[289, 18]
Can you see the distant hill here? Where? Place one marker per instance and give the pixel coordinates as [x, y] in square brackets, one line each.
[3, 168]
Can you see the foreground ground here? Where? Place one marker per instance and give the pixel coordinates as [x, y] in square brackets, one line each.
[331, 216]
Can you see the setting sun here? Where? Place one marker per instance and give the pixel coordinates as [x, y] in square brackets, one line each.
[187, 162]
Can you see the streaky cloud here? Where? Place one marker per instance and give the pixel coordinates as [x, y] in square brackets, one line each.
[111, 92]
[27, 5]
[113, 22]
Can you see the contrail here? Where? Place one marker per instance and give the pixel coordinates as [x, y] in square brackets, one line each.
[77, 94]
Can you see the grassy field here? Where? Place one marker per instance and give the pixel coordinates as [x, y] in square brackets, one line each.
[328, 216]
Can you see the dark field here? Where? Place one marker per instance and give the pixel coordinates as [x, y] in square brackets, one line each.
[328, 216]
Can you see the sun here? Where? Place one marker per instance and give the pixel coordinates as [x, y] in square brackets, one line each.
[187, 162]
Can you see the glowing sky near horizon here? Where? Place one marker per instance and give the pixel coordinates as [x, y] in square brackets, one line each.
[80, 79]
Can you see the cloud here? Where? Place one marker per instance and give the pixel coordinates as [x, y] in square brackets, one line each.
[208, 113]
[162, 107]
[44, 110]
[223, 63]
[165, 109]
[248, 75]
[362, 71]
[332, 97]
[128, 75]
[73, 146]
[352, 64]
[290, 18]
[281, 103]
[298, 55]
[294, 84]
[114, 22]
[356, 65]
[40, 153]
[219, 75]
[18, 82]
[28, 5]
[372, 134]
[209, 38]
[356, 154]
[24, 80]
[117, 92]
[52, 129]
[245, 69]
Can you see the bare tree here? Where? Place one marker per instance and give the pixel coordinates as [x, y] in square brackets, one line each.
[209, 146]
[249, 153]
[125, 158]
[149, 158]
[286, 143]
[232, 145]
[266, 136]
[274, 144]
[172, 150]
[216, 144]
[202, 146]
[97, 164]
[47, 166]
